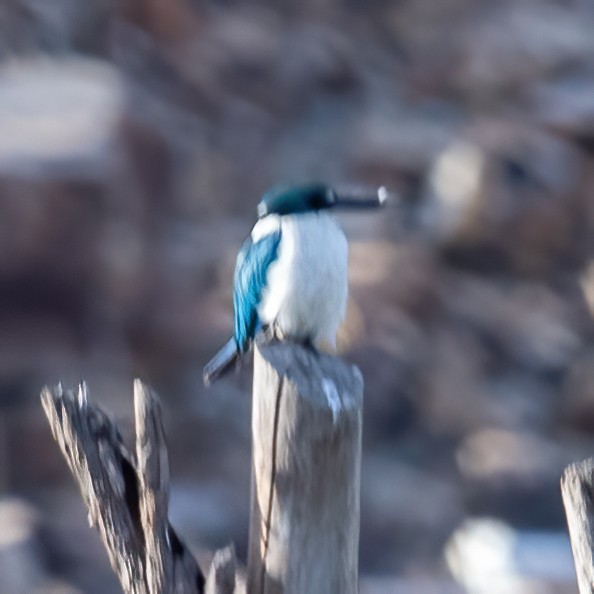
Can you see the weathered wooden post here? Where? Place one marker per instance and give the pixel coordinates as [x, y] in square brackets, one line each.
[306, 426]
[304, 525]
[577, 488]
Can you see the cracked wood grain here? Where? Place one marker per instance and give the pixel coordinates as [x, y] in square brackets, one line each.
[127, 497]
[306, 432]
[577, 489]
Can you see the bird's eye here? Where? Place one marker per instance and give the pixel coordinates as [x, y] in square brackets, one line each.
[317, 200]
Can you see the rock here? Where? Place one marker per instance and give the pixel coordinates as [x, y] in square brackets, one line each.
[504, 195]
[518, 45]
[21, 566]
[209, 515]
[72, 549]
[493, 455]
[496, 354]
[396, 145]
[482, 53]
[414, 585]
[457, 186]
[402, 274]
[450, 397]
[321, 58]
[244, 53]
[392, 289]
[490, 557]
[409, 510]
[51, 586]
[522, 399]
[535, 327]
[170, 22]
[429, 35]
[59, 118]
[540, 331]
[70, 222]
[567, 107]
[513, 475]
[31, 26]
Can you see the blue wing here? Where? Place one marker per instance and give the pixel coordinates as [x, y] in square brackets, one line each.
[249, 281]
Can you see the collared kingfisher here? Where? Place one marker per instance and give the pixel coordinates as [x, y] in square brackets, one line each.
[291, 272]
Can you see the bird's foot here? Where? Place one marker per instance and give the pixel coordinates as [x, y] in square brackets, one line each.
[271, 334]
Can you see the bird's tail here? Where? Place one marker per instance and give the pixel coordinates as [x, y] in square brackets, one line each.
[220, 363]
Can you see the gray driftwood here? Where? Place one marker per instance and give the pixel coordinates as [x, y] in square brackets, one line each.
[304, 526]
[577, 488]
[127, 497]
[306, 426]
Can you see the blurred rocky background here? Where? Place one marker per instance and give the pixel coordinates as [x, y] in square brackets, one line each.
[135, 140]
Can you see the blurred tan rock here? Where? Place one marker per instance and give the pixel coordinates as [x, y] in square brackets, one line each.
[394, 144]
[492, 355]
[494, 455]
[59, 117]
[169, 21]
[413, 585]
[62, 158]
[21, 567]
[32, 26]
[409, 504]
[519, 44]
[451, 398]
[71, 225]
[534, 326]
[505, 195]
[490, 557]
[542, 332]
[514, 475]
[567, 106]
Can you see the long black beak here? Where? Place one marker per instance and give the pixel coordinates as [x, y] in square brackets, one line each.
[357, 197]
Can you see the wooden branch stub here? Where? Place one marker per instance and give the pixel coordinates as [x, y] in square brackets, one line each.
[577, 488]
[104, 471]
[306, 429]
[153, 478]
[127, 500]
[221, 577]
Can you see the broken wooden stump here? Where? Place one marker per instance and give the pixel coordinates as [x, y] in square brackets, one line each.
[306, 430]
[577, 488]
[304, 525]
[127, 499]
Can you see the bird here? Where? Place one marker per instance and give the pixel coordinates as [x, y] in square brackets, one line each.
[291, 271]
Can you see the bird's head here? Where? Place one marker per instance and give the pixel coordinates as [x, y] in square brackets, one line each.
[286, 200]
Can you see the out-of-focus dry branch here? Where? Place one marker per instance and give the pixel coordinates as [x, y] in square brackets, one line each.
[577, 487]
[127, 499]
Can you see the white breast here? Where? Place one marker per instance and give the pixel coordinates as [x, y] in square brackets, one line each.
[307, 285]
